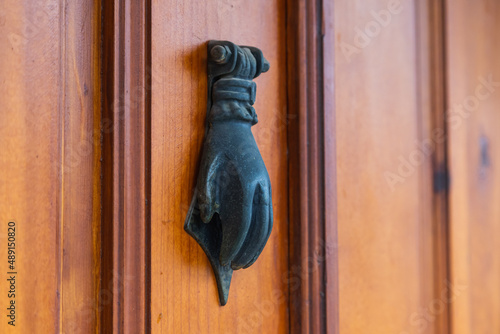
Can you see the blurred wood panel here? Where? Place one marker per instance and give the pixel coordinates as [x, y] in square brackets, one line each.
[49, 162]
[183, 289]
[331, 280]
[473, 79]
[384, 178]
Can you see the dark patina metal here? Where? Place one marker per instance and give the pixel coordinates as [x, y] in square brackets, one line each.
[231, 213]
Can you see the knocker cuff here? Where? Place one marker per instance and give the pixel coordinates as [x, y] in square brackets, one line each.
[234, 89]
[232, 100]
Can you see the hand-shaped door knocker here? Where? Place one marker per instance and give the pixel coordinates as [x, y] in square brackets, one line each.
[231, 214]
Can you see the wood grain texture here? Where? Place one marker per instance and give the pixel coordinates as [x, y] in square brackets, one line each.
[330, 244]
[125, 167]
[473, 46]
[183, 289]
[384, 227]
[50, 143]
[312, 167]
[432, 98]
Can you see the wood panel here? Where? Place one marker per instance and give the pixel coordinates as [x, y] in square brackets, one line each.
[50, 143]
[183, 288]
[384, 176]
[473, 76]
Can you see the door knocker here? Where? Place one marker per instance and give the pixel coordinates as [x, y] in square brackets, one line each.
[231, 214]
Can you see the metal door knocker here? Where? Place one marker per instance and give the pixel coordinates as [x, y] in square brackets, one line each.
[231, 214]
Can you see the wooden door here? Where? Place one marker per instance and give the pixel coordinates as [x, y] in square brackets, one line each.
[377, 124]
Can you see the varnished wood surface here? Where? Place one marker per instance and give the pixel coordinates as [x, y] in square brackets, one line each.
[432, 95]
[330, 243]
[49, 162]
[183, 289]
[330, 126]
[385, 268]
[473, 46]
[125, 167]
[312, 166]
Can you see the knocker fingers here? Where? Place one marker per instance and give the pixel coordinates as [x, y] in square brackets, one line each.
[259, 230]
[236, 219]
[269, 211]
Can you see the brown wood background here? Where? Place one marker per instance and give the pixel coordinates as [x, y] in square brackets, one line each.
[385, 245]
[50, 162]
[101, 127]
[473, 46]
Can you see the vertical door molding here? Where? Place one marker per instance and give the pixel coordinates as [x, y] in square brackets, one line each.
[312, 168]
[430, 28]
[125, 167]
